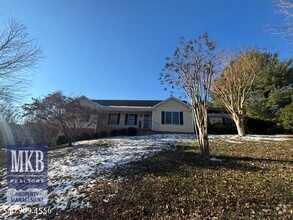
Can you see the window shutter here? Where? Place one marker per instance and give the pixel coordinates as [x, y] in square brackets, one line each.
[87, 119]
[126, 118]
[223, 121]
[109, 118]
[135, 119]
[163, 118]
[118, 119]
[181, 118]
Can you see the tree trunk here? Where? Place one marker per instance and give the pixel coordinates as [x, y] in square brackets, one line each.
[203, 141]
[239, 121]
[69, 141]
[204, 144]
[202, 134]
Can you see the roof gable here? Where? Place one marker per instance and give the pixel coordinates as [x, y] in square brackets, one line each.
[89, 101]
[177, 100]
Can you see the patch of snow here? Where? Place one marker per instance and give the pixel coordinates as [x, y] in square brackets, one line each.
[234, 142]
[265, 138]
[238, 140]
[215, 159]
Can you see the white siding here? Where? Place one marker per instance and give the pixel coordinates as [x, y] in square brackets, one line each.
[173, 106]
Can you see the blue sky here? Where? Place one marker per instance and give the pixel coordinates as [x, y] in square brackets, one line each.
[115, 49]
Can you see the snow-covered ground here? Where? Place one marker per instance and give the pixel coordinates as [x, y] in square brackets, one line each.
[237, 140]
[74, 170]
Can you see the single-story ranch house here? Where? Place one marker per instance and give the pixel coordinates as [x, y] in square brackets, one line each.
[157, 116]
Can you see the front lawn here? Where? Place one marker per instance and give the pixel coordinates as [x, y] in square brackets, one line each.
[254, 180]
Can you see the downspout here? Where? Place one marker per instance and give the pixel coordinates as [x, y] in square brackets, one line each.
[95, 130]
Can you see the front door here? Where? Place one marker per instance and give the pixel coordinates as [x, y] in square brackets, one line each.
[146, 122]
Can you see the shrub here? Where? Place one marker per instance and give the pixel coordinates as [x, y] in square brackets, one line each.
[275, 130]
[114, 132]
[103, 134]
[95, 136]
[131, 131]
[252, 126]
[222, 129]
[257, 126]
[83, 136]
[286, 117]
[61, 139]
[123, 132]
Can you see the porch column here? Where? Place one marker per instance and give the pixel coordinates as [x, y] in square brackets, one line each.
[153, 112]
[153, 120]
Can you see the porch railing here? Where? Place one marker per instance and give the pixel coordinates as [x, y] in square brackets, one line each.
[141, 124]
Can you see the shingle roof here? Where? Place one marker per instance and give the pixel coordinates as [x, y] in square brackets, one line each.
[142, 103]
[216, 110]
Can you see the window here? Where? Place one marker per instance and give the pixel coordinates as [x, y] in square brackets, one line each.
[229, 121]
[130, 119]
[168, 118]
[114, 119]
[174, 118]
[86, 118]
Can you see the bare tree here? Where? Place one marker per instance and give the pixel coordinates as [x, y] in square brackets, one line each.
[63, 113]
[18, 53]
[191, 69]
[40, 132]
[232, 86]
[285, 7]
[10, 130]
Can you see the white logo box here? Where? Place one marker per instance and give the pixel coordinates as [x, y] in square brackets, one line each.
[27, 197]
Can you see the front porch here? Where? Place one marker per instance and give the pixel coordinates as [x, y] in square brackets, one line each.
[124, 120]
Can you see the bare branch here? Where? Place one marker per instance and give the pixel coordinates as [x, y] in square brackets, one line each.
[232, 86]
[65, 114]
[19, 53]
[284, 7]
[192, 69]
